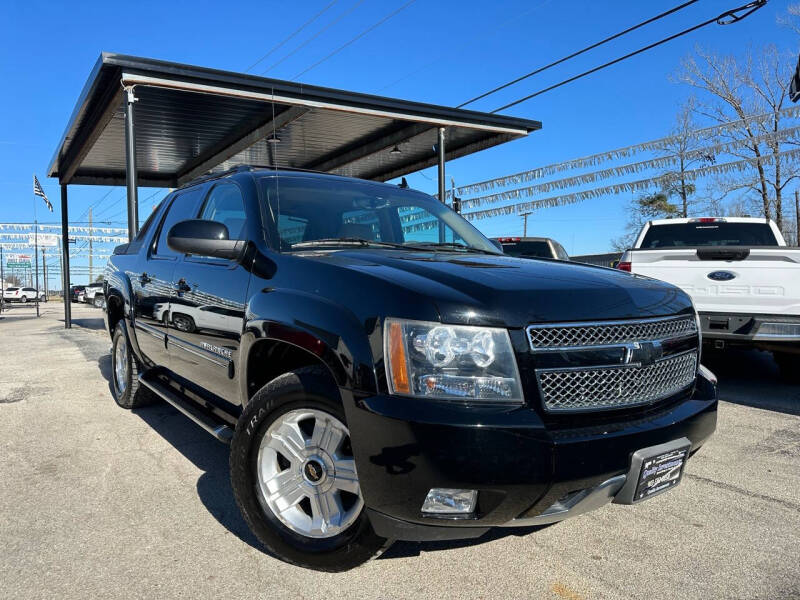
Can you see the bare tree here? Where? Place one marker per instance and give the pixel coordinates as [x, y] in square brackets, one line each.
[684, 144]
[744, 91]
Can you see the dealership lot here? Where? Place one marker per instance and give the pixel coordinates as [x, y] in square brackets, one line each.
[99, 502]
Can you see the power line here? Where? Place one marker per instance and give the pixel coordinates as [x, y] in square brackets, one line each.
[291, 35]
[316, 35]
[356, 38]
[730, 15]
[579, 52]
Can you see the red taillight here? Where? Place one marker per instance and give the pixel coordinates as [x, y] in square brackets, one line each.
[504, 240]
[624, 266]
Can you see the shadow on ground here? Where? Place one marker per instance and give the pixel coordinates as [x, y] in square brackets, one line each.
[751, 378]
[94, 323]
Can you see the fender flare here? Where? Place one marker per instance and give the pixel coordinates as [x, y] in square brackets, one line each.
[328, 331]
[119, 287]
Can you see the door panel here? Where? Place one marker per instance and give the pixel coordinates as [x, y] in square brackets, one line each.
[152, 282]
[207, 307]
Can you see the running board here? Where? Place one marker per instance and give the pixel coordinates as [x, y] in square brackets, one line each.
[219, 430]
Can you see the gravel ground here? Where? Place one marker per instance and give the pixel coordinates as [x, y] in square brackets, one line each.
[97, 502]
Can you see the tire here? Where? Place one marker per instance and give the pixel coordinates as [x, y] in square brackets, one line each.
[291, 396]
[183, 322]
[789, 366]
[23, 299]
[98, 301]
[128, 392]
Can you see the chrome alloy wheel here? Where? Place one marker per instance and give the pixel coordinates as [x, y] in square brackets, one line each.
[121, 365]
[307, 475]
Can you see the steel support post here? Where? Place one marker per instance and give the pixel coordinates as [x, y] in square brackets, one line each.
[65, 257]
[441, 149]
[130, 164]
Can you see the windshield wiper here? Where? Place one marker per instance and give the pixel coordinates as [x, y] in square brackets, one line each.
[453, 245]
[346, 241]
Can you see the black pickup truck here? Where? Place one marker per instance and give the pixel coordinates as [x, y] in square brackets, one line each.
[382, 371]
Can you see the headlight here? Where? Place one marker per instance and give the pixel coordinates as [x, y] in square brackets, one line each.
[451, 362]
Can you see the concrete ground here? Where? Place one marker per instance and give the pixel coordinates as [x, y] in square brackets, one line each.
[98, 502]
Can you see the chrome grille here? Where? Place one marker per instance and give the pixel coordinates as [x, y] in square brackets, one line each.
[616, 386]
[575, 335]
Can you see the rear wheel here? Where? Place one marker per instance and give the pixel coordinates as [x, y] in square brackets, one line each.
[98, 301]
[183, 323]
[125, 368]
[24, 299]
[789, 366]
[294, 476]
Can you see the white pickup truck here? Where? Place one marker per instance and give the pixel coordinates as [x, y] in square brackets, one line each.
[743, 279]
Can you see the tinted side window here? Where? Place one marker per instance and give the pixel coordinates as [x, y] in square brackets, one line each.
[183, 207]
[226, 205]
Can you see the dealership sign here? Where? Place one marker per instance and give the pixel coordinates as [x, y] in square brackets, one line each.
[18, 261]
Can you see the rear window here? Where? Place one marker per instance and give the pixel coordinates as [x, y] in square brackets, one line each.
[692, 235]
[527, 249]
[12, 289]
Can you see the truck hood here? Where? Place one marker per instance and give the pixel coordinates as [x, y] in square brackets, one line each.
[512, 292]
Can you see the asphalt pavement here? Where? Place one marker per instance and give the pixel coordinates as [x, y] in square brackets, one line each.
[98, 502]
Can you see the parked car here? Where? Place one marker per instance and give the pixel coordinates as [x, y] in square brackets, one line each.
[380, 380]
[93, 294]
[742, 278]
[532, 247]
[23, 294]
[76, 293]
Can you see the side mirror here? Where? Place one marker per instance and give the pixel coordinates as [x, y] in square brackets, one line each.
[205, 238]
[496, 244]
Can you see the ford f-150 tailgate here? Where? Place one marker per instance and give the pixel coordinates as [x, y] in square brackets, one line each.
[728, 279]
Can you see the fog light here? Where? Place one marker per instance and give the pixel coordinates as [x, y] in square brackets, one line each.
[779, 330]
[445, 501]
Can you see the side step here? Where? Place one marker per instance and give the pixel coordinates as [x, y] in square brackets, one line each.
[221, 431]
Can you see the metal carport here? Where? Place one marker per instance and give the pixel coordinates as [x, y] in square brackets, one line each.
[144, 122]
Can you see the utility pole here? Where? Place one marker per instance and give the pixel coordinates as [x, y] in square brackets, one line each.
[90, 245]
[525, 223]
[44, 270]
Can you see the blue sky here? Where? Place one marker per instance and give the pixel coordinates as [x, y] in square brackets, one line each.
[440, 52]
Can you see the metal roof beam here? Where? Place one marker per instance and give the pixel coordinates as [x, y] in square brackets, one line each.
[228, 148]
[104, 114]
[364, 147]
[464, 150]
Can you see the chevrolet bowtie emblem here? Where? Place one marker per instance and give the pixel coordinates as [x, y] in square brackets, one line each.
[642, 353]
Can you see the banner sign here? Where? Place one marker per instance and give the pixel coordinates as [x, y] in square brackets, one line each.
[46, 240]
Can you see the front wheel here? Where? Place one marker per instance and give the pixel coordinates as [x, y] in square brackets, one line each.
[128, 391]
[294, 475]
[98, 301]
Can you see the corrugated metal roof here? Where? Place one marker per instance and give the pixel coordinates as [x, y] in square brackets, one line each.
[192, 120]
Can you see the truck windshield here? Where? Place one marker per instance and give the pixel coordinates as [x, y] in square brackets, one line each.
[314, 212]
[692, 235]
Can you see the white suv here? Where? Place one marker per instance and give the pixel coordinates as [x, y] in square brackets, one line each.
[22, 294]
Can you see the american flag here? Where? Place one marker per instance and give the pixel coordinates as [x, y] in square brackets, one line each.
[38, 191]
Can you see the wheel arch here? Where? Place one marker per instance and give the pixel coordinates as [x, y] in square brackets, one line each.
[303, 330]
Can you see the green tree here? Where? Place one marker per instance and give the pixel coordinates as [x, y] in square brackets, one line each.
[643, 209]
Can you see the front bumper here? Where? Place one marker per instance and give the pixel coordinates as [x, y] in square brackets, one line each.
[526, 472]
